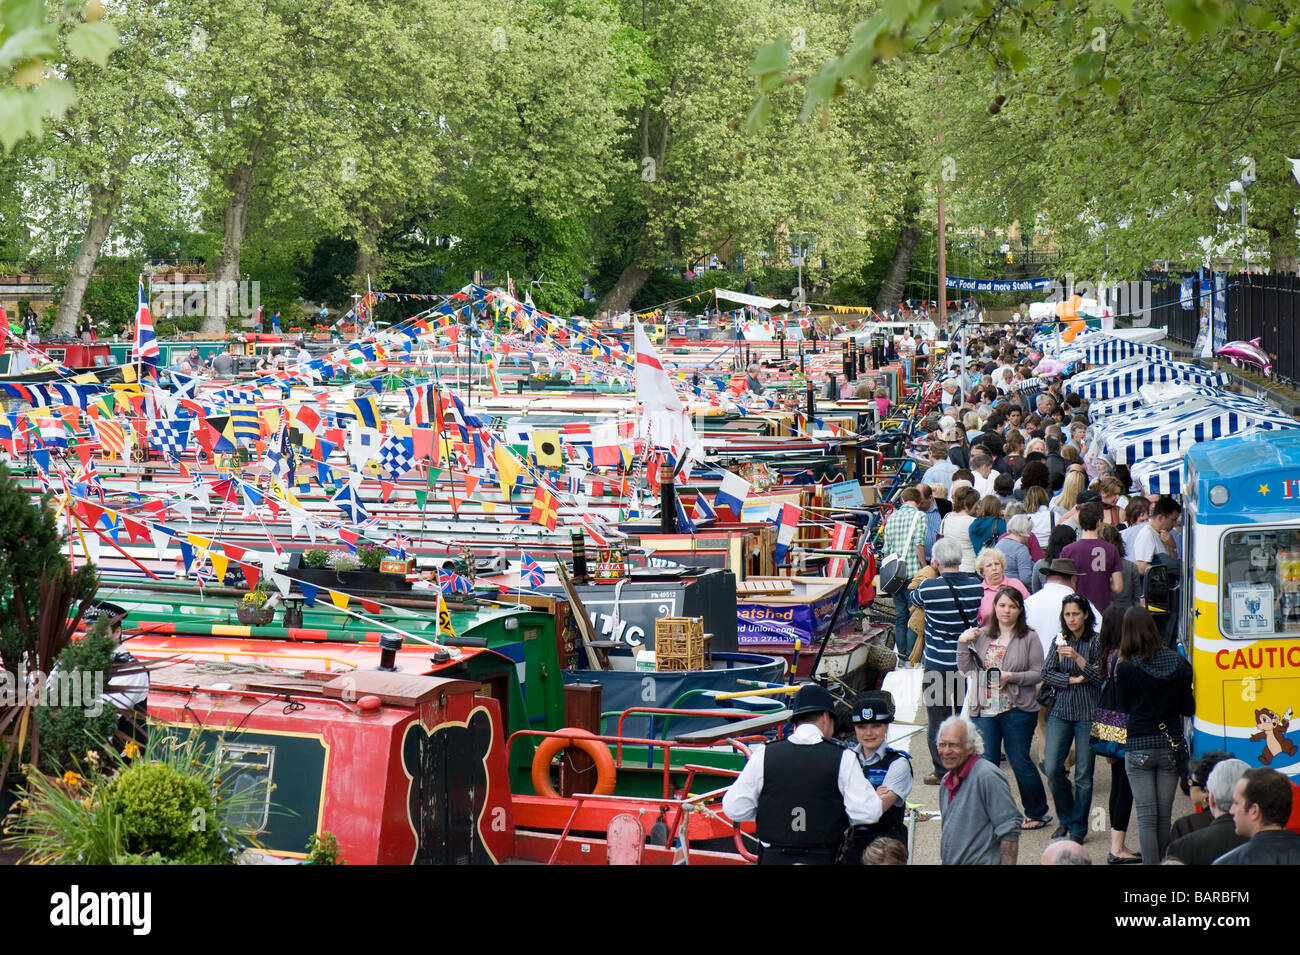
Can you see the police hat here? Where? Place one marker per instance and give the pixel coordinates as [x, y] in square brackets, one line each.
[874, 706]
[812, 698]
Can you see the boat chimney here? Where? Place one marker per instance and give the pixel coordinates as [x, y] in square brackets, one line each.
[667, 501]
[579, 544]
[389, 644]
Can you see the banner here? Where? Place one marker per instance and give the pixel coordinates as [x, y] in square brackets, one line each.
[995, 285]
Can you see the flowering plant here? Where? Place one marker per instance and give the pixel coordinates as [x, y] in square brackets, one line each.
[256, 598]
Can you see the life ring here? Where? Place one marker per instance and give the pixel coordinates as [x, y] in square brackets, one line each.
[585, 741]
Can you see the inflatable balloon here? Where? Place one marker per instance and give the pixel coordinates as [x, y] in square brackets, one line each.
[1250, 352]
[1050, 368]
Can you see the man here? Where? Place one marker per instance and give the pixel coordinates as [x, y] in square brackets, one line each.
[303, 358]
[981, 466]
[1206, 844]
[752, 382]
[192, 364]
[948, 393]
[1043, 609]
[1056, 465]
[905, 534]
[275, 322]
[941, 469]
[951, 603]
[888, 770]
[223, 363]
[1136, 513]
[1064, 852]
[1156, 539]
[981, 823]
[804, 790]
[1261, 804]
[935, 510]
[831, 391]
[1101, 574]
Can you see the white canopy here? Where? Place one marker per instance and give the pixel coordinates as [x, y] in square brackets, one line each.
[756, 300]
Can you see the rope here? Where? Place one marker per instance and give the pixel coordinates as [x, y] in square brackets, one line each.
[223, 667]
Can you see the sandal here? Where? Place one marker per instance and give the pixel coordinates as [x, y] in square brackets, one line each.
[1029, 825]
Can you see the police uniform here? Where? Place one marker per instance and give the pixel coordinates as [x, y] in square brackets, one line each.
[804, 791]
[877, 707]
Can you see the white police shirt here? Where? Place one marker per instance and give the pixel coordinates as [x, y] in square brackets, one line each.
[863, 806]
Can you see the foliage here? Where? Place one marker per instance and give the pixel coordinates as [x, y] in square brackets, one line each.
[70, 729]
[255, 598]
[371, 555]
[324, 850]
[315, 558]
[342, 560]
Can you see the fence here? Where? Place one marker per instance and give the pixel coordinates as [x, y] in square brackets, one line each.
[1267, 307]
[1167, 306]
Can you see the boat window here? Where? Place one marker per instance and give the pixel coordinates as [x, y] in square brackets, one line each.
[1259, 582]
[251, 768]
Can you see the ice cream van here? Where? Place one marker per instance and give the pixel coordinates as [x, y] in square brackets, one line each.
[1241, 595]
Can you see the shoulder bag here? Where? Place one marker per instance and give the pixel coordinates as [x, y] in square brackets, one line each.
[1179, 746]
[1109, 731]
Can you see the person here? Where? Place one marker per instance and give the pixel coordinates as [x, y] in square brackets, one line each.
[267, 360]
[988, 525]
[885, 852]
[981, 466]
[803, 790]
[904, 535]
[831, 392]
[275, 322]
[950, 601]
[127, 690]
[1120, 805]
[1040, 515]
[1071, 667]
[991, 565]
[1131, 593]
[1009, 658]
[1014, 545]
[979, 819]
[86, 327]
[1056, 464]
[752, 382]
[1156, 538]
[1261, 804]
[303, 358]
[1064, 852]
[956, 526]
[934, 509]
[1136, 513]
[1076, 482]
[1044, 607]
[1218, 835]
[31, 326]
[1005, 489]
[882, 401]
[941, 469]
[888, 770]
[1113, 501]
[1153, 684]
[192, 364]
[1197, 774]
[1100, 571]
[1060, 538]
[223, 363]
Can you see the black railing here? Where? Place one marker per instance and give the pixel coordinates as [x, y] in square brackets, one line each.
[1173, 308]
[1267, 307]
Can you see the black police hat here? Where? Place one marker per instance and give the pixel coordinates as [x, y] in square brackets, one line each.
[874, 706]
[812, 698]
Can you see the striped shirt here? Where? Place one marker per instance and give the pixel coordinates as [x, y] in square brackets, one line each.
[904, 532]
[1074, 701]
[944, 622]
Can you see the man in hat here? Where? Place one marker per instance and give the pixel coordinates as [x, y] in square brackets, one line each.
[1043, 609]
[128, 680]
[804, 791]
[888, 770]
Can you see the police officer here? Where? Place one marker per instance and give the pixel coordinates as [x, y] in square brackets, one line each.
[804, 791]
[888, 770]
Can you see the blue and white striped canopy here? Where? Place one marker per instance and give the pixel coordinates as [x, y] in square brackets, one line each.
[1126, 377]
[1108, 350]
[1159, 475]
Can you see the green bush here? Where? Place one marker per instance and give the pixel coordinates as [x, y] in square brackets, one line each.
[324, 850]
[164, 811]
[315, 558]
[371, 555]
[69, 730]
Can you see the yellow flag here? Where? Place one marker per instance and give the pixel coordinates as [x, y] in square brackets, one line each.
[445, 629]
[507, 469]
[339, 600]
[546, 445]
[219, 564]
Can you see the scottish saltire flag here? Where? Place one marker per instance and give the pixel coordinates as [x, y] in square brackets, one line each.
[732, 493]
[347, 501]
[145, 348]
[530, 572]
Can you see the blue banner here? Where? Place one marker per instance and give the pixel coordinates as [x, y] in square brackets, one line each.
[995, 285]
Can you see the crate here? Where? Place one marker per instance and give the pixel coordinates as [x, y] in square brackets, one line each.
[680, 643]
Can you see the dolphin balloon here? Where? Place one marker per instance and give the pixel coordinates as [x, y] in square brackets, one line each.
[1051, 367]
[1250, 352]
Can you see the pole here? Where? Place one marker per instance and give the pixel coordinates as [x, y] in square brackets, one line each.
[943, 236]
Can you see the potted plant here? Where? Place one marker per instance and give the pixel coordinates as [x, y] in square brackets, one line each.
[252, 610]
[371, 555]
[315, 558]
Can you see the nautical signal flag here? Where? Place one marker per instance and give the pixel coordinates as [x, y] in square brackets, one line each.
[545, 509]
[145, 347]
[546, 447]
[367, 411]
[732, 493]
[841, 539]
[445, 629]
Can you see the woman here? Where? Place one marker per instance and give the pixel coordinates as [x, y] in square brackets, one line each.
[1121, 794]
[956, 526]
[1060, 538]
[1019, 545]
[882, 401]
[1004, 486]
[972, 422]
[1132, 592]
[1076, 482]
[1071, 667]
[1153, 684]
[988, 525]
[1113, 501]
[1039, 514]
[1013, 452]
[991, 565]
[1009, 659]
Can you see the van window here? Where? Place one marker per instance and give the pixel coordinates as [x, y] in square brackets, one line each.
[1259, 583]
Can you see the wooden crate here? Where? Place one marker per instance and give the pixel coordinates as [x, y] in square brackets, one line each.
[679, 643]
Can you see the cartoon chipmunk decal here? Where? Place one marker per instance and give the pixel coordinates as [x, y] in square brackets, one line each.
[1272, 729]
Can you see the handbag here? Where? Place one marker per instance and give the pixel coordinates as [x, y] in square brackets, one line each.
[1109, 732]
[1181, 755]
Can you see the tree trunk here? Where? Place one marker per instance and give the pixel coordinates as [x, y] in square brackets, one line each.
[103, 210]
[619, 298]
[909, 234]
[234, 225]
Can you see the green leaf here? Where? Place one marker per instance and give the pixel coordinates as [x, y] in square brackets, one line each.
[93, 41]
[759, 115]
[773, 57]
[23, 112]
[19, 15]
[22, 45]
[1123, 7]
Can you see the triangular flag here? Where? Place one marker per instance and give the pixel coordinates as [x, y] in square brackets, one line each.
[252, 573]
[219, 564]
[386, 488]
[282, 584]
[309, 593]
[339, 600]
[161, 541]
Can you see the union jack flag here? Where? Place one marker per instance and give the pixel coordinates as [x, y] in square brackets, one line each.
[453, 583]
[399, 543]
[530, 571]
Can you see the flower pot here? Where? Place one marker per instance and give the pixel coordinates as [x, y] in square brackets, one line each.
[255, 616]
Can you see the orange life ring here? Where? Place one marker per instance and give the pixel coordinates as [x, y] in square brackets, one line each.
[585, 741]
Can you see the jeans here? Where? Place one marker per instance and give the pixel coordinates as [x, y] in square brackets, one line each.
[1072, 805]
[1016, 728]
[904, 639]
[1153, 775]
[943, 694]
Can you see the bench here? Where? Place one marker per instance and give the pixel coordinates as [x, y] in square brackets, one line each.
[718, 734]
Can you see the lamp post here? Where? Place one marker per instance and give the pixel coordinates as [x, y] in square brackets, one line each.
[1238, 187]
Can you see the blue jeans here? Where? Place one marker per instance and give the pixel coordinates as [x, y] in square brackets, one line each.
[1153, 775]
[904, 639]
[1072, 805]
[1016, 728]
